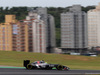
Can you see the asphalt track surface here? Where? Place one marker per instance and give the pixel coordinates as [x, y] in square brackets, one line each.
[22, 71]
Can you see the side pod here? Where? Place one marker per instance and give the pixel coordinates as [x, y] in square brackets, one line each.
[26, 62]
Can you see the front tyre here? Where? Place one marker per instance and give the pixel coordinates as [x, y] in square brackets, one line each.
[59, 67]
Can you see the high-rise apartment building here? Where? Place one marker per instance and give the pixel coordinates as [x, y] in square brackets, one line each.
[94, 27]
[5, 37]
[6, 33]
[13, 35]
[26, 35]
[49, 26]
[74, 28]
[19, 36]
[36, 31]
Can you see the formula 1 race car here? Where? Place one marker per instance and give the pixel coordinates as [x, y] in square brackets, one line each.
[43, 65]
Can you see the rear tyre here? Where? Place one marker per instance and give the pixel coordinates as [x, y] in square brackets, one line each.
[59, 67]
[29, 67]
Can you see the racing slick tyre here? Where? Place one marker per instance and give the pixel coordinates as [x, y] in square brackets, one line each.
[59, 67]
[29, 67]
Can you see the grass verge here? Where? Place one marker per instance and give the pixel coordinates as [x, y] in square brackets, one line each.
[74, 62]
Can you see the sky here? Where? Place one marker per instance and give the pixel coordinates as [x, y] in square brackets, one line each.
[46, 3]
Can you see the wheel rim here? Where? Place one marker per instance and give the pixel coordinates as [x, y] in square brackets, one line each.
[29, 66]
[59, 67]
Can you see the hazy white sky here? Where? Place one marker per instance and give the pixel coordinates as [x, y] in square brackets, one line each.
[47, 3]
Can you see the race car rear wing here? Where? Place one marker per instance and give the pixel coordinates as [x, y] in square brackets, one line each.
[26, 62]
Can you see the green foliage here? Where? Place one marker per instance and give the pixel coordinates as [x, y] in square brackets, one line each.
[20, 12]
[87, 8]
[56, 13]
[58, 40]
